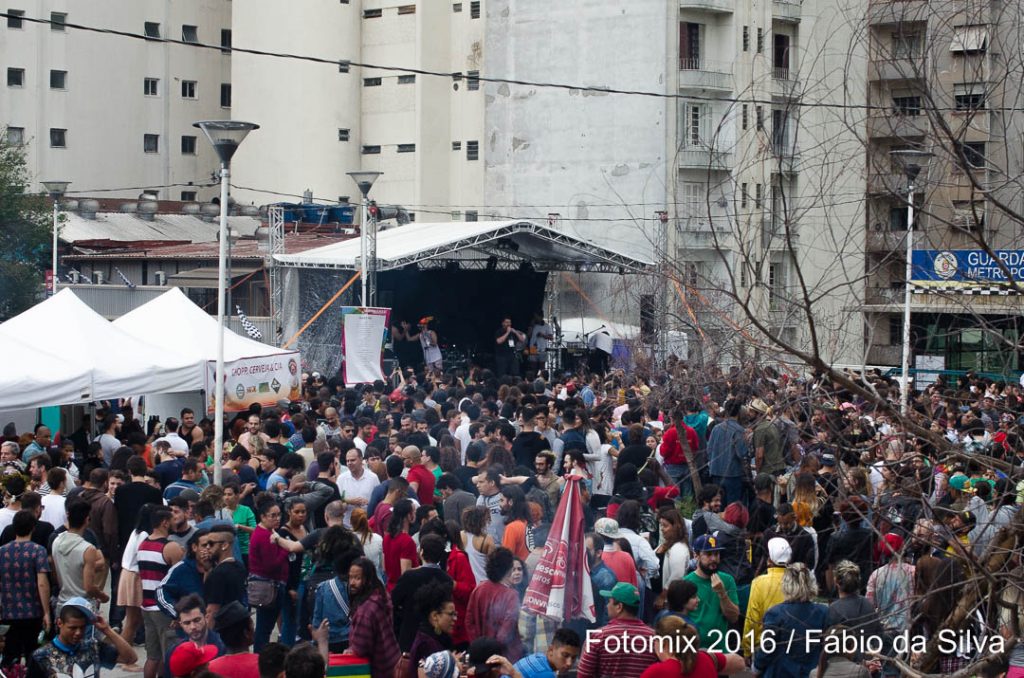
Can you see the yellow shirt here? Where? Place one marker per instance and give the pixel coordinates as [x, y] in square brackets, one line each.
[765, 591]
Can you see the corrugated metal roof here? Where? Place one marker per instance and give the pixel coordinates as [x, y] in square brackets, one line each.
[126, 227]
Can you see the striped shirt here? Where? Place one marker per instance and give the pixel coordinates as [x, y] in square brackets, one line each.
[618, 657]
[152, 570]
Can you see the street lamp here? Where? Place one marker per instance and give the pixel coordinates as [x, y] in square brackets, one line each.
[911, 161]
[225, 137]
[364, 180]
[56, 189]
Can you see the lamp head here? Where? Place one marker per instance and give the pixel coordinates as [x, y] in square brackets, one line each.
[364, 180]
[56, 188]
[225, 136]
[911, 161]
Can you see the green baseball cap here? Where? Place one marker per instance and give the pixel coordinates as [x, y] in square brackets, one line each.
[623, 592]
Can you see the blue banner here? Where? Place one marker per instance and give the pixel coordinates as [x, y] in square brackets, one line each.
[956, 268]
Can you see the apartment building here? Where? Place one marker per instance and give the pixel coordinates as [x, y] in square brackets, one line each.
[320, 121]
[110, 113]
[942, 80]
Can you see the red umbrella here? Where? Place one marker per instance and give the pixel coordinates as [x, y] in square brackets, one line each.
[560, 588]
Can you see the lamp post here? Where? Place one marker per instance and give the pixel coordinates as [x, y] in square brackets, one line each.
[56, 189]
[364, 180]
[225, 137]
[911, 161]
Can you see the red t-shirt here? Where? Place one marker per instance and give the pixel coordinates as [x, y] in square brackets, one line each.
[621, 565]
[243, 665]
[425, 490]
[381, 518]
[707, 666]
[671, 450]
[396, 549]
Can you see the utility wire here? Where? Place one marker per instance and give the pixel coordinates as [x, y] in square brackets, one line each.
[458, 76]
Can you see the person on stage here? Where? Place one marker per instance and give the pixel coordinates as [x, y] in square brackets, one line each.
[428, 342]
[506, 361]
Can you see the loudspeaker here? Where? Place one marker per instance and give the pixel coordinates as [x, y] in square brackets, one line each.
[648, 319]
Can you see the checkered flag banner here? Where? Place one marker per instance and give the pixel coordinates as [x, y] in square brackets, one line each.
[124, 278]
[250, 329]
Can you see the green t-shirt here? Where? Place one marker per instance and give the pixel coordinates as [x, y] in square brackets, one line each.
[708, 616]
[243, 515]
[766, 435]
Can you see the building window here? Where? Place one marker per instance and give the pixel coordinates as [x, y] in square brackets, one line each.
[14, 18]
[776, 286]
[371, 150]
[895, 330]
[457, 7]
[15, 77]
[780, 56]
[225, 95]
[343, 135]
[472, 80]
[743, 275]
[746, 38]
[472, 150]
[689, 46]
[343, 66]
[456, 145]
[189, 34]
[58, 79]
[898, 218]
[407, 79]
[188, 145]
[472, 215]
[225, 41]
[58, 137]
[371, 82]
[745, 116]
[969, 39]
[907, 45]
[58, 21]
[407, 9]
[189, 196]
[373, 13]
[188, 89]
[969, 96]
[974, 153]
[906, 105]
[152, 29]
[693, 121]
[456, 215]
[758, 195]
[969, 216]
[759, 118]
[406, 148]
[474, 9]
[744, 196]
[151, 143]
[760, 40]
[151, 87]
[15, 136]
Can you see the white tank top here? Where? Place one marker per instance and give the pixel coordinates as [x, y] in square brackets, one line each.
[477, 559]
[431, 351]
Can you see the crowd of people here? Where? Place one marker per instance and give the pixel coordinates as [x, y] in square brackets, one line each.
[742, 521]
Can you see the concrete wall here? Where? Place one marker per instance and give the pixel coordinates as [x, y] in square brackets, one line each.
[103, 106]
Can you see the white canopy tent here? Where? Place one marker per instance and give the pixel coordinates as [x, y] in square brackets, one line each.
[33, 378]
[192, 332]
[118, 363]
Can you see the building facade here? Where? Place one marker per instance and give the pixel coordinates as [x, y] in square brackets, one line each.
[940, 82]
[113, 114]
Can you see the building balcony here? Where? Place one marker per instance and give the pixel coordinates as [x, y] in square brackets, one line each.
[785, 10]
[884, 296]
[702, 232]
[905, 68]
[785, 157]
[774, 233]
[705, 74]
[892, 12]
[698, 158]
[785, 82]
[886, 183]
[885, 355]
[713, 6]
[889, 125]
[886, 241]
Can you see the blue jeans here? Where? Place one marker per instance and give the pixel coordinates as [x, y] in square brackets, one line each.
[732, 488]
[680, 475]
[266, 619]
[289, 619]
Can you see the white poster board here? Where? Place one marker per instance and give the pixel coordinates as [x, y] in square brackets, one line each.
[923, 380]
[363, 335]
[263, 380]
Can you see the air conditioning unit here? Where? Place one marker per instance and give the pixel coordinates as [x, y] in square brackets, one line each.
[160, 278]
[98, 277]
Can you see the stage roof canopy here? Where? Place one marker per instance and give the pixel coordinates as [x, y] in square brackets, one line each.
[474, 244]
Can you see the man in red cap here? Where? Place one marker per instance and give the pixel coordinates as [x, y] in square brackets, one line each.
[188, 659]
[891, 586]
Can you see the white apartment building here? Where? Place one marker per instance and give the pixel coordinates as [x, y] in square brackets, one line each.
[319, 121]
[108, 112]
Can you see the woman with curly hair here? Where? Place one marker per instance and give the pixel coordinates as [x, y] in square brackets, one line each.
[371, 633]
